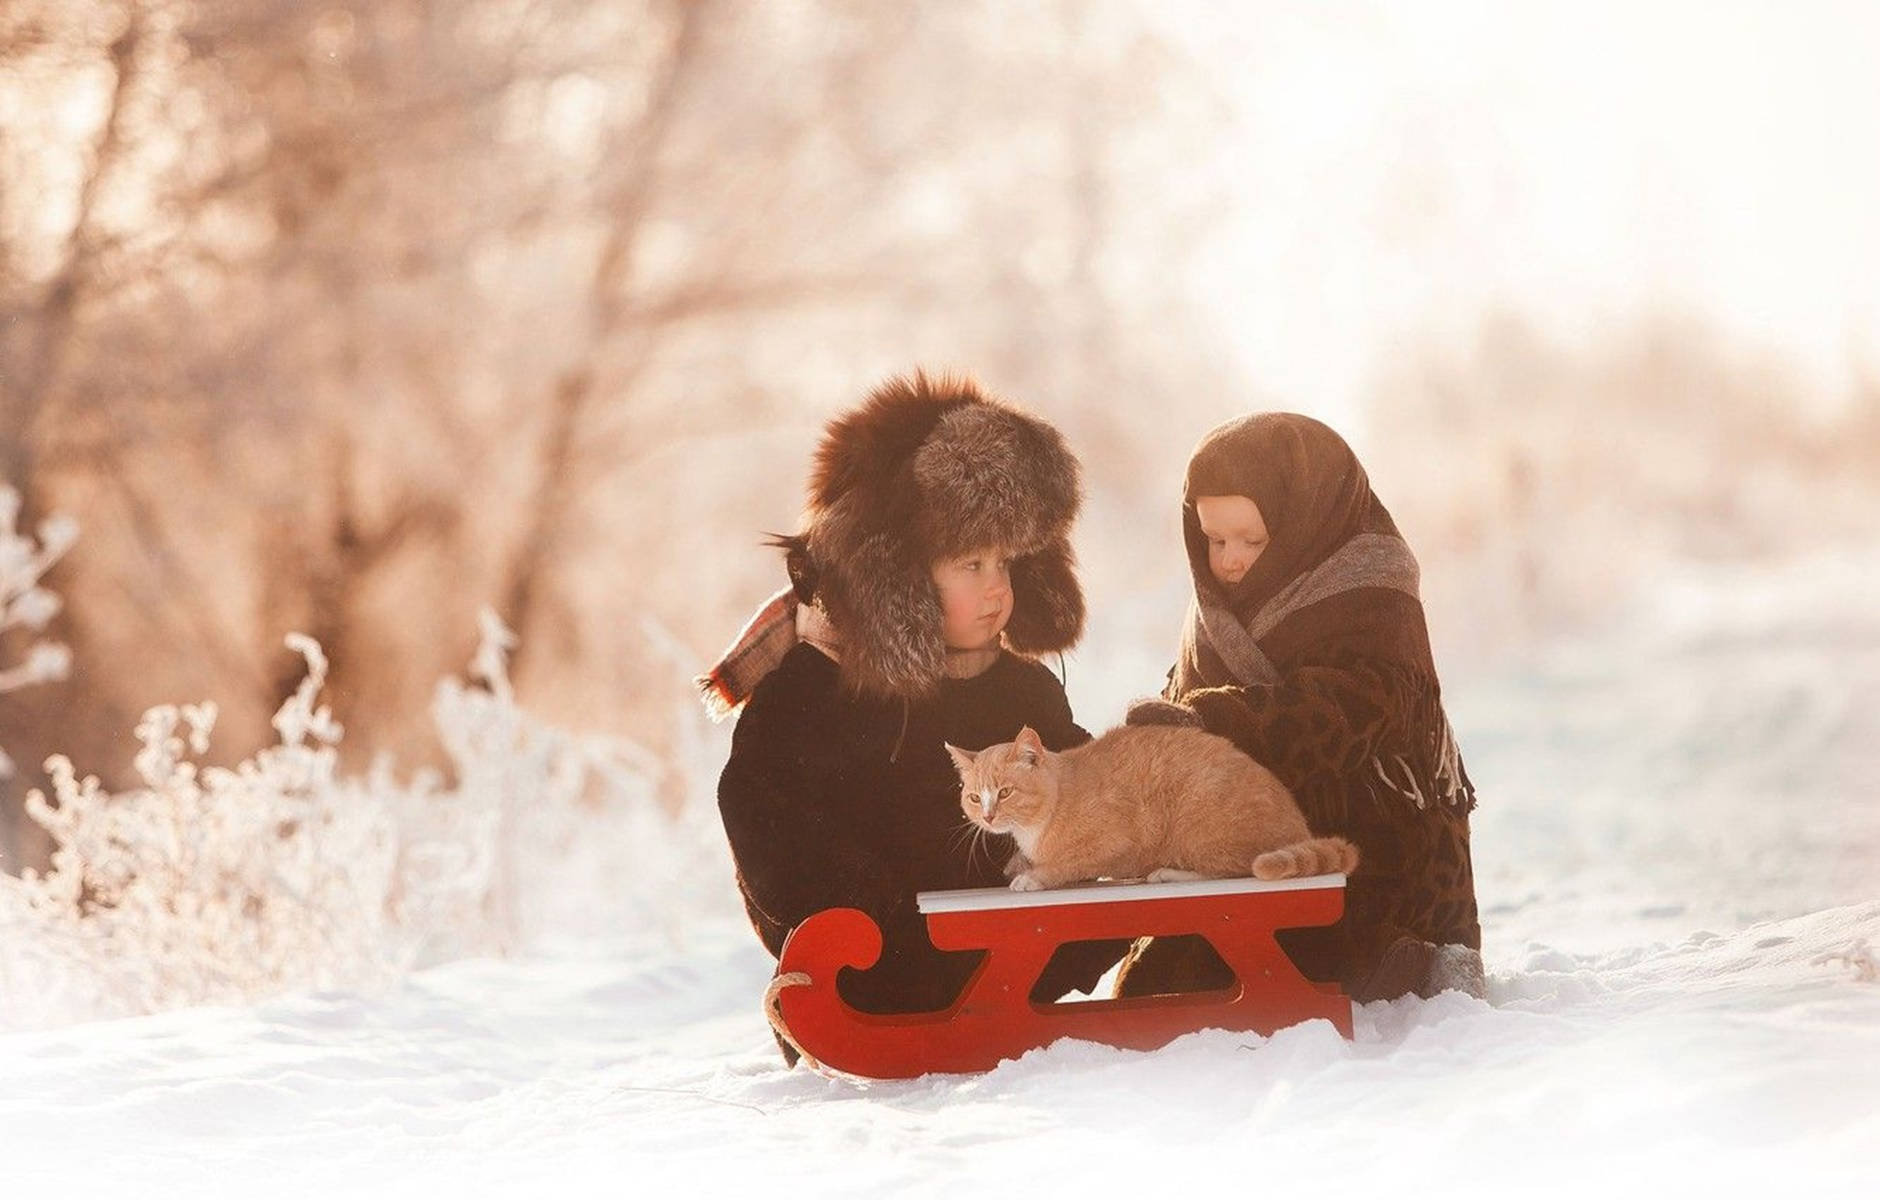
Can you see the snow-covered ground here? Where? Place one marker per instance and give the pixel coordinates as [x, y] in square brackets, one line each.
[1679, 866]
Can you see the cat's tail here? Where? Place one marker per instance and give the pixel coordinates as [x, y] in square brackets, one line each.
[1315, 856]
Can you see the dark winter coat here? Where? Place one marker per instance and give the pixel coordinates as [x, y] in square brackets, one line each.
[822, 811]
[1348, 712]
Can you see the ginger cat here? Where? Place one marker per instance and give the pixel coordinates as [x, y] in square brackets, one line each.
[1161, 802]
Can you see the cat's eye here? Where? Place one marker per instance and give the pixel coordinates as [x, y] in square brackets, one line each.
[1004, 792]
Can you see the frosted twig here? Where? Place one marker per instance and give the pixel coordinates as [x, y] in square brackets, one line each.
[26, 605]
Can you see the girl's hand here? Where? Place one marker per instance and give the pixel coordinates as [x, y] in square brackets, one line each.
[1155, 711]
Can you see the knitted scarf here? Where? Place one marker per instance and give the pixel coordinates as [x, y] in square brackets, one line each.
[1369, 560]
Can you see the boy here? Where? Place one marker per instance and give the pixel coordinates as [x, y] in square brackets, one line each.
[934, 558]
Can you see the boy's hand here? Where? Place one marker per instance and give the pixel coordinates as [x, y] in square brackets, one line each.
[1155, 711]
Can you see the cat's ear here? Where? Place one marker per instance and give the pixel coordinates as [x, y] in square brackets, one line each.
[962, 759]
[1029, 748]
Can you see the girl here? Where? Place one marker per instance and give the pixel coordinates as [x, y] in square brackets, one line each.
[935, 555]
[1305, 645]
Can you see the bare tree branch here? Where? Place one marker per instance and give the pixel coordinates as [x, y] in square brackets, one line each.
[34, 391]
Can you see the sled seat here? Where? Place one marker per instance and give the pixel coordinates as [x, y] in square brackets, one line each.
[994, 1018]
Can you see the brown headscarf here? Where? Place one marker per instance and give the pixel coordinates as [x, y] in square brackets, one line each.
[1310, 487]
[1335, 574]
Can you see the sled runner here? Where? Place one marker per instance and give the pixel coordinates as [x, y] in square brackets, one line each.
[994, 1019]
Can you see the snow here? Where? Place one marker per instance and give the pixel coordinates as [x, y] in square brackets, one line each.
[1717, 1062]
[1677, 854]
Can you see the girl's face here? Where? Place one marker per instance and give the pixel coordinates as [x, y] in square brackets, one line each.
[975, 597]
[1236, 534]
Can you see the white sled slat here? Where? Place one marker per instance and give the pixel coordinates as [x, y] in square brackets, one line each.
[1113, 891]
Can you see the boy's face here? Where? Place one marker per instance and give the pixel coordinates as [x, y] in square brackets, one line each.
[975, 597]
[1236, 534]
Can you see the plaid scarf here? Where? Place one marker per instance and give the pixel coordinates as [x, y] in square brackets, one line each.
[773, 630]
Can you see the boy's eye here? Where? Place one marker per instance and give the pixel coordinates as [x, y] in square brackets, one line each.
[1004, 792]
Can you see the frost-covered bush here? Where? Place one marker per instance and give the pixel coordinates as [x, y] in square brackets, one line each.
[589, 850]
[206, 884]
[24, 604]
[211, 885]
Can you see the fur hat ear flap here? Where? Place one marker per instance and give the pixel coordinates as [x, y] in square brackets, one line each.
[1047, 604]
[878, 596]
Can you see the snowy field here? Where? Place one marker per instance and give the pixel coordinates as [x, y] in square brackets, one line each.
[1679, 867]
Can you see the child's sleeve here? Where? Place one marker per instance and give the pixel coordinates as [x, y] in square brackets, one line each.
[1049, 713]
[792, 861]
[1318, 720]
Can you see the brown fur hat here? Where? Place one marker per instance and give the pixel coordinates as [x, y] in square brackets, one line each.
[924, 469]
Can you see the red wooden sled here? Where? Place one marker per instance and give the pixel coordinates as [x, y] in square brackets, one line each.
[994, 1019]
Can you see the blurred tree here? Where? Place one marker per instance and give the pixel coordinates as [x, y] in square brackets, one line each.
[353, 318]
[1549, 482]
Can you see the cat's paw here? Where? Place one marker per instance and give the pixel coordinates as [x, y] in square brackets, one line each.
[1016, 864]
[1173, 875]
[1027, 881]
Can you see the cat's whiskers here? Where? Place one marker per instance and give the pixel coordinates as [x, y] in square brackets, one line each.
[967, 834]
[975, 835]
[961, 832]
[980, 843]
